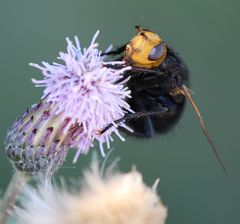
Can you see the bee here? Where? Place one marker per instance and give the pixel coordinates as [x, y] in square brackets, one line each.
[159, 84]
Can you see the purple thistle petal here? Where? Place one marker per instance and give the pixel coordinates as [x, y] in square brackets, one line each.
[82, 89]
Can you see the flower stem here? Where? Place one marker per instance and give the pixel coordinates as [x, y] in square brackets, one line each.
[17, 182]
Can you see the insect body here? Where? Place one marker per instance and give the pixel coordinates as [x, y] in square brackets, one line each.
[159, 81]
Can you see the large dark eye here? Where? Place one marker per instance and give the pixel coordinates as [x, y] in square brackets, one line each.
[156, 52]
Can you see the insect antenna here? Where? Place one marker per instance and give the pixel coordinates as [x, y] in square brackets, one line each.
[139, 28]
[186, 92]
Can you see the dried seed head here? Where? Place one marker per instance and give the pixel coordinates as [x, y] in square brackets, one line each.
[120, 198]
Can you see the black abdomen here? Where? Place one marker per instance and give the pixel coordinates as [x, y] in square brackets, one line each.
[158, 124]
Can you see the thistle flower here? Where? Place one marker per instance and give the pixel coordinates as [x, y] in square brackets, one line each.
[81, 96]
[120, 198]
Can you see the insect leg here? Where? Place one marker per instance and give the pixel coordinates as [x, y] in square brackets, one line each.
[133, 134]
[128, 117]
[117, 51]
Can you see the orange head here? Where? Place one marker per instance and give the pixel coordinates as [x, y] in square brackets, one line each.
[146, 49]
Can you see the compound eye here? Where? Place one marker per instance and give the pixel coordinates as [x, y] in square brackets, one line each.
[156, 52]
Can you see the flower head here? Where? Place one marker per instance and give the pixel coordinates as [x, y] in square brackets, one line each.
[118, 198]
[81, 96]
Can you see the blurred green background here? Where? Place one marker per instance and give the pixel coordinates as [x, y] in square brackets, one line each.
[206, 33]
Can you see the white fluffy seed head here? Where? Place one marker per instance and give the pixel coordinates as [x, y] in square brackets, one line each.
[120, 198]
